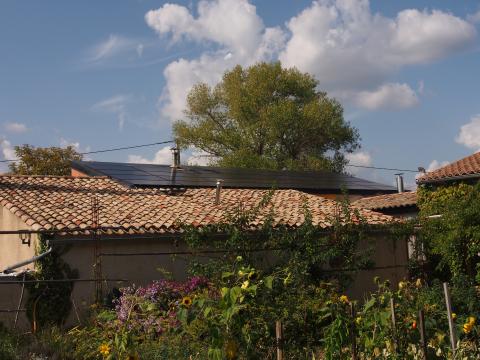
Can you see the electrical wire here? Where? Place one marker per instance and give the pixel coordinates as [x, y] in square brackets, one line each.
[113, 149]
[172, 141]
[382, 168]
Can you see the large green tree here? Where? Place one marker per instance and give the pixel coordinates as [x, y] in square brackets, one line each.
[43, 161]
[265, 116]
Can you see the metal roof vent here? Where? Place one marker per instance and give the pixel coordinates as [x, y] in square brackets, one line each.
[218, 191]
[175, 157]
[399, 180]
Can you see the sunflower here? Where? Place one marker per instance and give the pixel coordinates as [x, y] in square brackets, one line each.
[187, 301]
[467, 327]
[104, 349]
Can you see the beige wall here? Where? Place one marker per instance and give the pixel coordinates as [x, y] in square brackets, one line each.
[390, 259]
[13, 251]
[11, 248]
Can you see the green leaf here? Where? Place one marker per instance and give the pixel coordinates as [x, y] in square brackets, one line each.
[269, 282]
[227, 274]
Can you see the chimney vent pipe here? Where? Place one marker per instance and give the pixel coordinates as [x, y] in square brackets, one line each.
[399, 179]
[175, 157]
[218, 191]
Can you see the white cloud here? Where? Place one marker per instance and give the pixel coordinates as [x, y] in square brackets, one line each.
[65, 143]
[200, 158]
[360, 158]
[114, 45]
[352, 51]
[435, 164]
[162, 156]
[348, 47]
[16, 128]
[469, 135]
[232, 25]
[116, 105]
[387, 96]
[6, 153]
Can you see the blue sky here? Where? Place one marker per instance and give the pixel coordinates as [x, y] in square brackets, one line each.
[115, 73]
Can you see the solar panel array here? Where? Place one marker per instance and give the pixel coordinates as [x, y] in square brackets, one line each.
[150, 175]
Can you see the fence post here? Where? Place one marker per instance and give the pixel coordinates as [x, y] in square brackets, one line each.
[19, 302]
[421, 328]
[451, 325]
[394, 323]
[353, 332]
[279, 335]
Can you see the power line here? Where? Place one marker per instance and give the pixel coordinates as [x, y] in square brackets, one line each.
[171, 141]
[113, 149]
[382, 168]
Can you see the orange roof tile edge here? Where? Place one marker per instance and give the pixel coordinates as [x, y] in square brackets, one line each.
[65, 203]
[388, 201]
[469, 166]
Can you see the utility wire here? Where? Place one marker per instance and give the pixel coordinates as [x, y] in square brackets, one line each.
[381, 168]
[113, 149]
[171, 141]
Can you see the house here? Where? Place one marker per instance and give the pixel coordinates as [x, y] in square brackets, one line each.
[324, 183]
[135, 229]
[399, 205]
[466, 170]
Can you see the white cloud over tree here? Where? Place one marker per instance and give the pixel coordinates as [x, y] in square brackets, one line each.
[354, 52]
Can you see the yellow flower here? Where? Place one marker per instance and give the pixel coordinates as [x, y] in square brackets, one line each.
[402, 284]
[454, 316]
[231, 349]
[467, 327]
[187, 301]
[471, 320]
[344, 299]
[104, 349]
[418, 283]
[358, 320]
[245, 284]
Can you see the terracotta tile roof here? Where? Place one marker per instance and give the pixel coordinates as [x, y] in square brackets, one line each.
[62, 203]
[388, 201]
[466, 167]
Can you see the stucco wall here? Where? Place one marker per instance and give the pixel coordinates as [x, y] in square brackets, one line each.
[390, 259]
[11, 248]
[13, 251]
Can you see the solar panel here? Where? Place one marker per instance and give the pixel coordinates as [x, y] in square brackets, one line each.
[151, 175]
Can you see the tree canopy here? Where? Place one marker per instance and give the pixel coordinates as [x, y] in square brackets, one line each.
[265, 116]
[43, 161]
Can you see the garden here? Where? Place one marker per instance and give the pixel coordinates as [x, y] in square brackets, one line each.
[240, 306]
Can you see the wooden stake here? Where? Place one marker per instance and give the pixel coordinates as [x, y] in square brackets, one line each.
[451, 325]
[421, 328]
[19, 302]
[394, 323]
[279, 334]
[353, 332]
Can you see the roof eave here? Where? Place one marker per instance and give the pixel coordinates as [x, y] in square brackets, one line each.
[449, 178]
